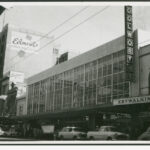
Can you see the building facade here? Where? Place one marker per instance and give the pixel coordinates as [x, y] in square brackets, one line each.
[95, 80]
[81, 82]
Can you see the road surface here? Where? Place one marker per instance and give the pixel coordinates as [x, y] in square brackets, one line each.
[15, 139]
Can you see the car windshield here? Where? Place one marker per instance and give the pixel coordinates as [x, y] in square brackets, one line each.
[107, 129]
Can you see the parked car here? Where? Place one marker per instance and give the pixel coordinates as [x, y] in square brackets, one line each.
[107, 133]
[11, 132]
[145, 135]
[72, 133]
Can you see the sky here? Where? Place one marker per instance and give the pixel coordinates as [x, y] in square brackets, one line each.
[99, 29]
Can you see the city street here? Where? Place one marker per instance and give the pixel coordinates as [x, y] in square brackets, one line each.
[74, 73]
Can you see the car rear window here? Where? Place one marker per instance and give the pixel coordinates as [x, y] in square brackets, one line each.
[107, 129]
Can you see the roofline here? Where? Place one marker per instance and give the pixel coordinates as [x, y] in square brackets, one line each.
[121, 38]
[144, 46]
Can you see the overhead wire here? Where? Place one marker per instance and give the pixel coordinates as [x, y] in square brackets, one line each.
[66, 32]
[57, 27]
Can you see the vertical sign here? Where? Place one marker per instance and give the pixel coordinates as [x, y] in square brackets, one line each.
[129, 44]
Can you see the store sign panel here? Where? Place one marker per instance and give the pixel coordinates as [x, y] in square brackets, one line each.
[129, 43]
[133, 100]
[48, 128]
[24, 42]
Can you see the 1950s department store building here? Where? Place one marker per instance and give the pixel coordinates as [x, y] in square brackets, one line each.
[111, 78]
[93, 83]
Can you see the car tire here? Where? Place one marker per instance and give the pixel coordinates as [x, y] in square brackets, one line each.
[75, 138]
[91, 138]
[109, 139]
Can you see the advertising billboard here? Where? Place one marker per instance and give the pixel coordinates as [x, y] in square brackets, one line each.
[26, 42]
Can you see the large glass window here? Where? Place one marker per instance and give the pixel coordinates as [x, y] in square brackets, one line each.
[78, 86]
[97, 82]
[36, 97]
[67, 90]
[50, 94]
[58, 92]
[119, 82]
[104, 82]
[30, 99]
[43, 95]
[90, 83]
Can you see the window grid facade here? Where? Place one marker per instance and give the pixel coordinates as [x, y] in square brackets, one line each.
[58, 90]
[90, 83]
[36, 97]
[95, 83]
[78, 86]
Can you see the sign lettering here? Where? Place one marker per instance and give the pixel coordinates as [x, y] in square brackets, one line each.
[133, 100]
[129, 43]
[21, 41]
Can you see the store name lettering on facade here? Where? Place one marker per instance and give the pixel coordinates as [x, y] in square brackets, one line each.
[129, 43]
[134, 100]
